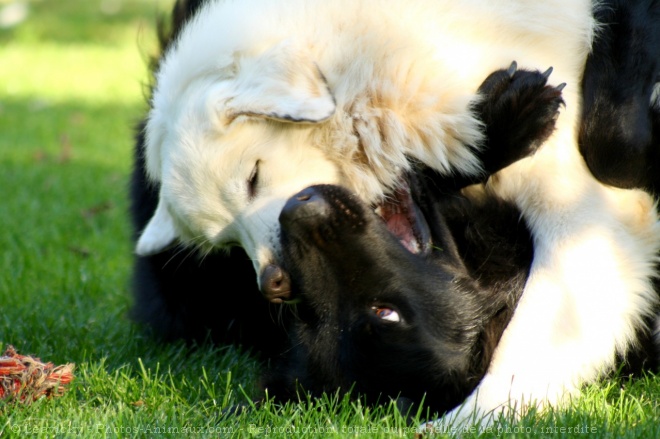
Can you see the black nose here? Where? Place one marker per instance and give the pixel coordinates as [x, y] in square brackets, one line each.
[308, 205]
[275, 284]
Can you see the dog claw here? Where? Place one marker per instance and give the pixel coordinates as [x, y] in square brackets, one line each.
[547, 73]
[561, 86]
[512, 68]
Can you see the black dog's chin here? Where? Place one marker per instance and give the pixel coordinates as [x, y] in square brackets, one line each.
[405, 221]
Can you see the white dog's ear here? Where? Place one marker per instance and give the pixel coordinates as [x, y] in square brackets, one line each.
[159, 233]
[283, 83]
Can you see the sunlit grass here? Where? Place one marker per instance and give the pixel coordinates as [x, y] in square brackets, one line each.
[50, 73]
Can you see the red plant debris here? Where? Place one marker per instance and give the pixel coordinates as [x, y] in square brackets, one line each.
[25, 379]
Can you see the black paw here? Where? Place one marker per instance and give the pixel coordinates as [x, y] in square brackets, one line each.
[519, 110]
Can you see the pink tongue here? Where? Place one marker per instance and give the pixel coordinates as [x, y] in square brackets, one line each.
[399, 225]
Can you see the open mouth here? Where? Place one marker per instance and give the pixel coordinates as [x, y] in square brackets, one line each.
[404, 220]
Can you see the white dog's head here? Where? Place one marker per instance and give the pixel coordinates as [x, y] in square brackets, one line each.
[228, 153]
[232, 136]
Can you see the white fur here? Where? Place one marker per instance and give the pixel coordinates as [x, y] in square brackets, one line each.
[343, 92]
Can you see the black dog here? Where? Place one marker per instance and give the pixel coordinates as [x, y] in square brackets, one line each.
[376, 318]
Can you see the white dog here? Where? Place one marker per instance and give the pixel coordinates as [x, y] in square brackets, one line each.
[258, 99]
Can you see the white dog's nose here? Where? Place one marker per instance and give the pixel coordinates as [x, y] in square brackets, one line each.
[275, 284]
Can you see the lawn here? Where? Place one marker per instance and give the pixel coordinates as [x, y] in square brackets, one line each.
[72, 80]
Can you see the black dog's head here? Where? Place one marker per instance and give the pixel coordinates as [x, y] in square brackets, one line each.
[408, 300]
[378, 318]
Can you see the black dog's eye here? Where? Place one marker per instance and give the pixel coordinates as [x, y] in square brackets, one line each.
[385, 313]
[253, 181]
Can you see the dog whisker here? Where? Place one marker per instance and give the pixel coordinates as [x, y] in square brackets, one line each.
[181, 248]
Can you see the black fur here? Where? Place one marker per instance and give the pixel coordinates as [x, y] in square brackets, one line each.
[519, 111]
[620, 130]
[454, 301]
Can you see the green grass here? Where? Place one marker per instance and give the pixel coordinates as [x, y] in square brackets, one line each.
[71, 90]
